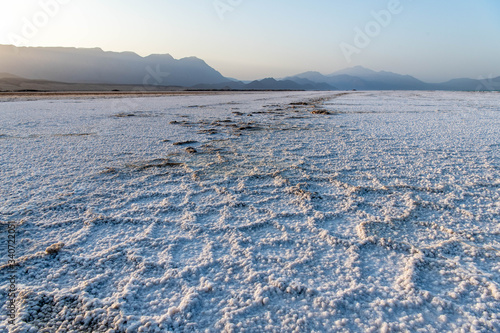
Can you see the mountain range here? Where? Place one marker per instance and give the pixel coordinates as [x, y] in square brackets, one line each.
[39, 66]
[361, 78]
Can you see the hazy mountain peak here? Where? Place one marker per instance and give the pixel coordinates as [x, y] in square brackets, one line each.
[355, 71]
[9, 76]
[158, 55]
[193, 59]
[311, 73]
[93, 65]
[85, 65]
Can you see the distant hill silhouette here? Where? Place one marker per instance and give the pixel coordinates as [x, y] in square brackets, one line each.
[269, 84]
[95, 66]
[361, 78]
[9, 76]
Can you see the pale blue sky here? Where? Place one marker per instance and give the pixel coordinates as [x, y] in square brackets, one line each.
[251, 39]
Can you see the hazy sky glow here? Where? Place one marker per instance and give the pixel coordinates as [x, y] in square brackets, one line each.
[253, 39]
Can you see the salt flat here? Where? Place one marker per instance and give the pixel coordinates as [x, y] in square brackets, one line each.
[291, 212]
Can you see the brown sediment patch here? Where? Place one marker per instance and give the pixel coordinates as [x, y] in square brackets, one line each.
[197, 106]
[156, 163]
[123, 115]
[108, 170]
[302, 193]
[297, 117]
[210, 131]
[321, 111]
[181, 123]
[75, 134]
[54, 248]
[182, 143]
[142, 114]
[249, 128]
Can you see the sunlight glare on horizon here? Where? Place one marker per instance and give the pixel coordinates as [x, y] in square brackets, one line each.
[256, 39]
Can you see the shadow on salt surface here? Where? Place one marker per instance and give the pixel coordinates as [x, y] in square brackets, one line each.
[140, 114]
[381, 267]
[413, 233]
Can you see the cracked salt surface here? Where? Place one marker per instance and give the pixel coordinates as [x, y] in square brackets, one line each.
[378, 212]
